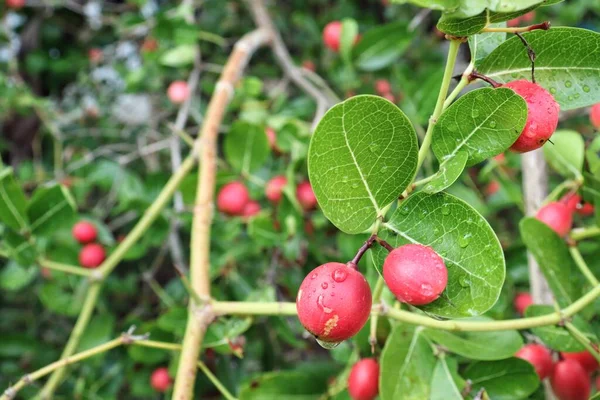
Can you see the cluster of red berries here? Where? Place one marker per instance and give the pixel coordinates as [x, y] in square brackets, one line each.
[91, 254]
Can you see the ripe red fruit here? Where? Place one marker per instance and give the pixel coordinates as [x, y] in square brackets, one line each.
[574, 203]
[542, 115]
[570, 381]
[382, 86]
[416, 274]
[309, 65]
[92, 255]
[95, 55]
[521, 302]
[363, 381]
[149, 45]
[160, 379]
[500, 158]
[232, 198]
[306, 196]
[595, 115]
[331, 35]
[250, 209]
[390, 97]
[557, 216]
[274, 188]
[584, 358]
[15, 4]
[492, 188]
[271, 138]
[538, 356]
[84, 232]
[523, 18]
[334, 302]
[585, 209]
[178, 92]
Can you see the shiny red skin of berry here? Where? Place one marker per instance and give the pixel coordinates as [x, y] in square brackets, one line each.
[84, 232]
[306, 196]
[160, 379]
[363, 381]
[584, 358]
[570, 381]
[178, 92]
[542, 115]
[538, 356]
[382, 86]
[523, 18]
[334, 302]
[557, 216]
[250, 209]
[232, 198]
[415, 274]
[274, 188]
[15, 4]
[331, 35]
[574, 203]
[595, 115]
[585, 209]
[92, 255]
[521, 302]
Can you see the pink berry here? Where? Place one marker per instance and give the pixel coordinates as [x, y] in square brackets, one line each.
[95, 55]
[178, 92]
[15, 4]
[542, 115]
[415, 274]
[363, 381]
[570, 381]
[250, 209]
[92, 255]
[492, 188]
[538, 356]
[331, 35]
[160, 379]
[557, 216]
[274, 188]
[306, 196]
[334, 302]
[382, 86]
[84, 232]
[271, 138]
[595, 116]
[584, 358]
[522, 301]
[232, 198]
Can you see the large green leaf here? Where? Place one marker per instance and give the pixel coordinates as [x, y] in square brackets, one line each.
[50, 209]
[557, 337]
[381, 46]
[446, 384]
[476, 345]
[449, 171]
[554, 259]
[466, 242]
[483, 123]
[468, 8]
[407, 363]
[567, 64]
[12, 202]
[14, 277]
[566, 153]
[509, 379]
[246, 147]
[362, 156]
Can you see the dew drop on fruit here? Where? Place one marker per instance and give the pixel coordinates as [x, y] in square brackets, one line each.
[321, 304]
[339, 275]
[328, 345]
[426, 289]
[446, 209]
[313, 276]
[568, 84]
[324, 285]
[492, 124]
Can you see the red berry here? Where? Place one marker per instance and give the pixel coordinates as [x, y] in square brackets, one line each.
[557, 216]
[538, 356]
[232, 198]
[306, 196]
[492, 188]
[149, 45]
[363, 382]
[571, 200]
[528, 17]
[331, 35]
[91, 255]
[416, 274]
[390, 97]
[160, 379]
[597, 382]
[84, 232]
[178, 92]
[15, 4]
[95, 55]
[250, 209]
[274, 188]
[309, 65]
[542, 115]
[585, 209]
[500, 158]
[595, 115]
[334, 302]
[570, 381]
[584, 358]
[271, 138]
[521, 302]
[382, 86]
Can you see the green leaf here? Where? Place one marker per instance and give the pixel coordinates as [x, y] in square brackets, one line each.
[592, 155]
[483, 123]
[448, 173]
[552, 254]
[566, 153]
[362, 156]
[446, 384]
[466, 242]
[14, 277]
[50, 209]
[12, 202]
[556, 337]
[382, 46]
[476, 345]
[347, 38]
[509, 379]
[174, 320]
[99, 331]
[20, 249]
[246, 147]
[220, 333]
[567, 64]
[179, 56]
[60, 300]
[407, 363]
[469, 8]
[483, 44]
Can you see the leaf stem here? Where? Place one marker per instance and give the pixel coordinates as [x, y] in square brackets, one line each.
[439, 106]
[361, 251]
[464, 81]
[215, 381]
[519, 29]
[585, 233]
[581, 338]
[70, 269]
[583, 267]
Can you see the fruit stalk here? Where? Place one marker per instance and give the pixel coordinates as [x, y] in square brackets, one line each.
[581, 338]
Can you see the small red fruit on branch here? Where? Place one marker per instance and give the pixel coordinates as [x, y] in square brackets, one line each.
[306, 196]
[584, 358]
[274, 188]
[84, 232]
[250, 209]
[232, 198]
[160, 379]
[538, 356]
[595, 115]
[332, 34]
[15, 4]
[334, 302]
[521, 302]
[382, 87]
[363, 381]
[415, 274]
[178, 92]
[92, 255]
[557, 216]
[570, 381]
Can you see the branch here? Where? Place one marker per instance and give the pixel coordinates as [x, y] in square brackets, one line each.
[199, 316]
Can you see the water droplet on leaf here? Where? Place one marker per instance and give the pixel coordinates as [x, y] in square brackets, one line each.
[586, 88]
[464, 240]
[568, 84]
[492, 124]
[446, 209]
[464, 281]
